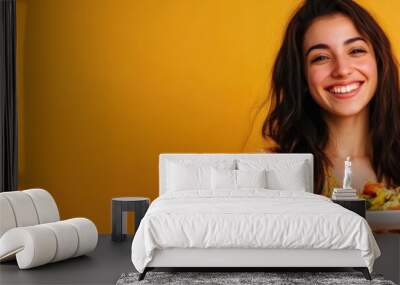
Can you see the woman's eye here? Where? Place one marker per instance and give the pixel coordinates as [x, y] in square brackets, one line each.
[319, 58]
[358, 51]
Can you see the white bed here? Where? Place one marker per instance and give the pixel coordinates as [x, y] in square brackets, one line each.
[195, 226]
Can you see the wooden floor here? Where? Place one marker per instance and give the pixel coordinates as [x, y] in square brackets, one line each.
[103, 266]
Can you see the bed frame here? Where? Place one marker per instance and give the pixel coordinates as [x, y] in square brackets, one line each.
[249, 258]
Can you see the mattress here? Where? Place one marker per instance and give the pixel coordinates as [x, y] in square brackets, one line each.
[251, 219]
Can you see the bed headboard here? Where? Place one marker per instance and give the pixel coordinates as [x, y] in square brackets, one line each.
[213, 157]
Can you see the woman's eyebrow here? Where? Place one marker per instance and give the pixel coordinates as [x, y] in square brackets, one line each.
[352, 40]
[325, 46]
[317, 46]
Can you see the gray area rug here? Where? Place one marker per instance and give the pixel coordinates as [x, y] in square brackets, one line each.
[228, 278]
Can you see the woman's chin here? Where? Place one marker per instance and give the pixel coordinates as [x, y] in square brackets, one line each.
[346, 112]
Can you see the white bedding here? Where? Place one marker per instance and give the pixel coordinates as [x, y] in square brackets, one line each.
[250, 218]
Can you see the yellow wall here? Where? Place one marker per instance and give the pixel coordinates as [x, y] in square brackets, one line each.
[104, 86]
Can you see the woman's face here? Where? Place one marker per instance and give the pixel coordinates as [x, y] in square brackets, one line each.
[340, 66]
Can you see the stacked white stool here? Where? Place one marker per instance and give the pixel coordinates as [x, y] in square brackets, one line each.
[31, 230]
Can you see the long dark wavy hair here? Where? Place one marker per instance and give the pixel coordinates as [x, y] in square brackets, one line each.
[295, 121]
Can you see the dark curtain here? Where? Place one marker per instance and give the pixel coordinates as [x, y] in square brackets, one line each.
[8, 115]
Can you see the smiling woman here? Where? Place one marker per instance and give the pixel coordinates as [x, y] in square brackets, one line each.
[339, 64]
[335, 93]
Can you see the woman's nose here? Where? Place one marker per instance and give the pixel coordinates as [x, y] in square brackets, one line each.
[342, 68]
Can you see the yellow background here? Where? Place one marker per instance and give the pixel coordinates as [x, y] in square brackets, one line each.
[104, 86]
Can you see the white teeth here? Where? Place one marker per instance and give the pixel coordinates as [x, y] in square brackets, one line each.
[344, 89]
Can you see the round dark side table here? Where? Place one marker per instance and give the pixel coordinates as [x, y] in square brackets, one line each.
[120, 206]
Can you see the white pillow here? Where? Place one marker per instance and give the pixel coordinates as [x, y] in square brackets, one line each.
[281, 175]
[251, 178]
[186, 174]
[223, 179]
[292, 181]
[186, 177]
[236, 179]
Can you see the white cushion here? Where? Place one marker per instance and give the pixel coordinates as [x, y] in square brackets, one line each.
[87, 233]
[67, 240]
[7, 218]
[46, 207]
[237, 179]
[23, 208]
[251, 178]
[186, 174]
[182, 177]
[26, 208]
[281, 175]
[278, 180]
[223, 179]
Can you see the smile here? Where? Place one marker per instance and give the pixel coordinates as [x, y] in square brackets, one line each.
[345, 91]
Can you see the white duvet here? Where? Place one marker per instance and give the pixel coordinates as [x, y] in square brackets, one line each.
[251, 218]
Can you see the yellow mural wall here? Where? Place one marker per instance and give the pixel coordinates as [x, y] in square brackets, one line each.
[104, 86]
